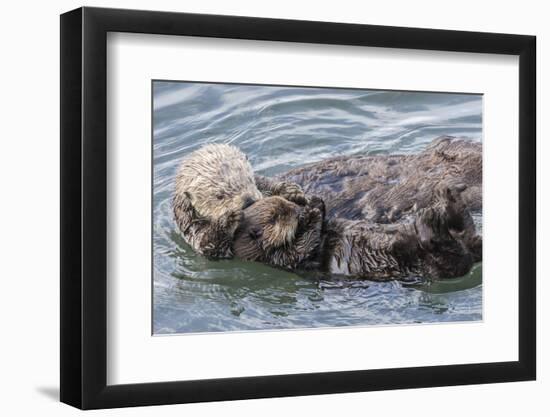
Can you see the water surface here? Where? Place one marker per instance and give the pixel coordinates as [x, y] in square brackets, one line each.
[280, 128]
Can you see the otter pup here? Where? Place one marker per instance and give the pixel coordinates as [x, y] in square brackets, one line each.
[438, 242]
[280, 233]
[386, 188]
[213, 185]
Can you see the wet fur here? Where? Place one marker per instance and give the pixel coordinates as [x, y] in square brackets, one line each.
[383, 218]
[387, 188]
[439, 242]
[213, 185]
[280, 233]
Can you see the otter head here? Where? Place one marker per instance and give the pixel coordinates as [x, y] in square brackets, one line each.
[273, 230]
[218, 180]
[273, 221]
[267, 225]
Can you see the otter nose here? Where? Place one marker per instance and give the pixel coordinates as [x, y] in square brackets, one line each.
[248, 201]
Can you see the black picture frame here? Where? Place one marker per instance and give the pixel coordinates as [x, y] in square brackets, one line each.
[84, 207]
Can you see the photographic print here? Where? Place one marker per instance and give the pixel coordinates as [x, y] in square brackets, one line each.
[285, 207]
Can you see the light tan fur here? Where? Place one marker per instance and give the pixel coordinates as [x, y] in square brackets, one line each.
[218, 179]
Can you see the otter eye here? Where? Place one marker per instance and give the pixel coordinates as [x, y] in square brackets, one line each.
[219, 196]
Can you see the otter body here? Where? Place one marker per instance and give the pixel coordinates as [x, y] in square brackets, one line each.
[439, 242]
[425, 247]
[213, 185]
[386, 188]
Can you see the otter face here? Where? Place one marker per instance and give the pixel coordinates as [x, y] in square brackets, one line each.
[268, 226]
[280, 233]
[272, 222]
[218, 180]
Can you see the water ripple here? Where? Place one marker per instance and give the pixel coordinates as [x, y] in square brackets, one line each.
[281, 128]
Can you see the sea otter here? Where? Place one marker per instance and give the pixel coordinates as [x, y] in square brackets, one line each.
[386, 188]
[439, 241]
[213, 185]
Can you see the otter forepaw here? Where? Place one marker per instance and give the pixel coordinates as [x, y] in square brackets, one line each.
[311, 216]
[316, 202]
[232, 221]
[292, 192]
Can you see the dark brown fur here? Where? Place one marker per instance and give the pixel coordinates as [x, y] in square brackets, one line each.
[386, 188]
[439, 242]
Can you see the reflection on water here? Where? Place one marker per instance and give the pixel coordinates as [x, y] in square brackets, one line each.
[281, 128]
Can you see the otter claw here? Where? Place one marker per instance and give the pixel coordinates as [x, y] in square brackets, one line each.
[316, 202]
[292, 192]
[311, 215]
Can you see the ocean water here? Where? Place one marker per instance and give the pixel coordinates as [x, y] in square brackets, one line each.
[280, 128]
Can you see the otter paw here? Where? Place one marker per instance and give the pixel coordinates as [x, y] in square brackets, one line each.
[316, 202]
[311, 216]
[232, 221]
[292, 192]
